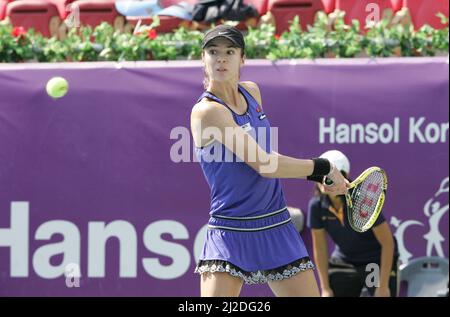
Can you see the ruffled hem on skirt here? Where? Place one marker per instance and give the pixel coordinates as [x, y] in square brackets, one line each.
[256, 277]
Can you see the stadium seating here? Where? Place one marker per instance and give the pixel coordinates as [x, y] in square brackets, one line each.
[61, 5]
[285, 10]
[40, 15]
[424, 12]
[3, 4]
[329, 5]
[94, 12]
[425, 276]
[396, 5]
[363, 9]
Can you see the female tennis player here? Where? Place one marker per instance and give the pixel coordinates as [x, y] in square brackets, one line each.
[250, 237]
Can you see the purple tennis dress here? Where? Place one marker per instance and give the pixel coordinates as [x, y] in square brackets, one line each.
[250, 233]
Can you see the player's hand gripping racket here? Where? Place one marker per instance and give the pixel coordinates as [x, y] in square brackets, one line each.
[365, 198]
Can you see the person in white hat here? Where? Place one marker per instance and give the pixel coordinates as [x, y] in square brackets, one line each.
[339, 159]
[356, 254]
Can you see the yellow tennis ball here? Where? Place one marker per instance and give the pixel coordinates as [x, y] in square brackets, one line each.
[57, 87]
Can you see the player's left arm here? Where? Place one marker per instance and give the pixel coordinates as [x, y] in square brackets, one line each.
[384, 236]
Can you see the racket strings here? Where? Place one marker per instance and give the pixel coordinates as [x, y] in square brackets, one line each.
[365, 198]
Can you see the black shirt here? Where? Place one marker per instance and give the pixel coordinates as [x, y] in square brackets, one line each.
[357, 248]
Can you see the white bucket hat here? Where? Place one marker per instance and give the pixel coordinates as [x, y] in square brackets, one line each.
[338, 159]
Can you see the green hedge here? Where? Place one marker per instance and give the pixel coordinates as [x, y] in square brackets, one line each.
[318, 41]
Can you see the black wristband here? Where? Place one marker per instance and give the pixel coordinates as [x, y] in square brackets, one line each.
[315, 178]
[322, 167]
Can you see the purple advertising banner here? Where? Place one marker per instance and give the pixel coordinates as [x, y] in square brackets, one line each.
[100, 194]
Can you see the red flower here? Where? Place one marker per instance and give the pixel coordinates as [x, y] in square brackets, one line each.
[152, 34]
[277, 37]
[18, 31]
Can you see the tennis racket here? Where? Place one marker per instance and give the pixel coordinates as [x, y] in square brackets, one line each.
[365, 198]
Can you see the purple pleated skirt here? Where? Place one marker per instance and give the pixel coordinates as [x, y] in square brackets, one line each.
[256, 249]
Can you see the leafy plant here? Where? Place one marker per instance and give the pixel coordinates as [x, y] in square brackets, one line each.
[345, 40]
[260, 41]
[382, 41]
[15, 44]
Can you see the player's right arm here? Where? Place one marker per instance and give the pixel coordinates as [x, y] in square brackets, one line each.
[207, 117]
[210, 120]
